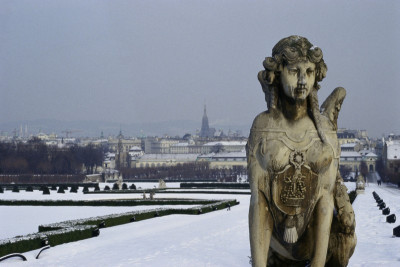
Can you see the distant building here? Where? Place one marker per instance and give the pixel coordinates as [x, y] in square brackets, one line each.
[350, 157]
[391, 160]
[154, 145]
[163, 160]
[206, 131]
[346, 137]
[226, 160]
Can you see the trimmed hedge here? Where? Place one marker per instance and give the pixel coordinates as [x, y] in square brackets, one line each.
[56, 237]
[105, 202]
[167, 191]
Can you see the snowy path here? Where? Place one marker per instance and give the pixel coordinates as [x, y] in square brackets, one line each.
[375, 244]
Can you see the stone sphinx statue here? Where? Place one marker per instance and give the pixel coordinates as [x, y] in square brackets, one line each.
[360, 183]
[300, 213]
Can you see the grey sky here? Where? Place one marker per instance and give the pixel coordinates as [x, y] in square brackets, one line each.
[136, 61]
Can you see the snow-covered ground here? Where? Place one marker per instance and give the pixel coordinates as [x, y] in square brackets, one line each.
[218, 238]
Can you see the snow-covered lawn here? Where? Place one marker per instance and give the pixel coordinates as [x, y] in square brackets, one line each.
[218, 238]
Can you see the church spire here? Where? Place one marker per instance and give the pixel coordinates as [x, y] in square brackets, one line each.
[205, 128]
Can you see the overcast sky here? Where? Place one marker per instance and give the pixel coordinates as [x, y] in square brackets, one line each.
[136, 61]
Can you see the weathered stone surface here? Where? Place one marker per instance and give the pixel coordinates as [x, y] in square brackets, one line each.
[300, 212]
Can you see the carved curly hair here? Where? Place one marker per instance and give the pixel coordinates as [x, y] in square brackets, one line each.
[290, 50]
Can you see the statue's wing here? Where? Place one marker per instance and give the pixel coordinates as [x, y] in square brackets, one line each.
[332, 105]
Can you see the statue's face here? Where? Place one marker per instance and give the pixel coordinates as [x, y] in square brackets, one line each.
[298, 79]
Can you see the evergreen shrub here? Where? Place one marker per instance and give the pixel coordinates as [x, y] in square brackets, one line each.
[115, 186]
[133, 186]
[15, 189]
[46, 190]
[74, 189]
[29, 189]
[124, 186]
[96, 187]
[61, 190]
[352, 196]
[1, 190]
[106, 188]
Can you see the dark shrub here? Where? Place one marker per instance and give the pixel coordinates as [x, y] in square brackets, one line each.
[1, 190]
[46, 190]
[133, 186]
[85, 189]
[352, 196]
[74, 189]
[54, 188]
[124, 186]
[41, 188]
[29, 189]
[115, 187]
[15, 189]
[106, 188]
[96, 187]
[61, 190]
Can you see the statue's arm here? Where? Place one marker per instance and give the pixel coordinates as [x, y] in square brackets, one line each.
[332, 105]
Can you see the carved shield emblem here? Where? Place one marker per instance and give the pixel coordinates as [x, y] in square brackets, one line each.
[294, 188]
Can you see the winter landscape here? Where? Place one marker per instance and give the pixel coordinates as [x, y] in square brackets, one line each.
[218, 238]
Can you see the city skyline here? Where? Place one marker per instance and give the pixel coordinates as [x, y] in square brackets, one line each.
[137, 62]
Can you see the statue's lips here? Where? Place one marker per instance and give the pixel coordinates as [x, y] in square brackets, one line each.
[300, 91]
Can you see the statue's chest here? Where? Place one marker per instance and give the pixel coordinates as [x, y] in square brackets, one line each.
[296, 168]
[276, 151]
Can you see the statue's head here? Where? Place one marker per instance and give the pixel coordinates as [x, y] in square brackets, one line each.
[294, 71]
[290, 52]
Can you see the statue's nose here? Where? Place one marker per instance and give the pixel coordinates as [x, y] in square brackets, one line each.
[302, 79]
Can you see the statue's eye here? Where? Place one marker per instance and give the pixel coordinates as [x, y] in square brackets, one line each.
[310, 71]
[293, 71]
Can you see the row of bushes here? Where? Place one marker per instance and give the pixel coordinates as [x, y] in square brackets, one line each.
[174, 191]
[216, 185]
[63, 188]
[74, 230]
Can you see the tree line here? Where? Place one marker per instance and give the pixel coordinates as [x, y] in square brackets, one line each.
[194, 171]
[35, 157]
